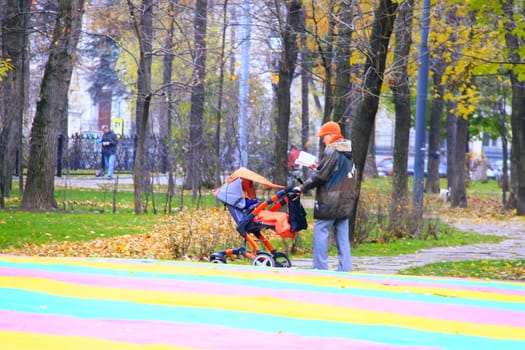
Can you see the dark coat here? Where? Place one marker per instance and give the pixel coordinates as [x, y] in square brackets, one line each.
[334, 182]
[110, 137]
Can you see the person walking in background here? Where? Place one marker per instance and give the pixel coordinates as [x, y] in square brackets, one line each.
[109, 150]
[292, 156]
[333, 179]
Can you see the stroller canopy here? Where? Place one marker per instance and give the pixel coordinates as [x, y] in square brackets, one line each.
[239, 187]
[249, 175]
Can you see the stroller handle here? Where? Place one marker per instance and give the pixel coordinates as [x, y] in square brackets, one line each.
[291, 192]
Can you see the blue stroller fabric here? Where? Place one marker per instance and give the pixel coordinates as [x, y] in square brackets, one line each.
[297, 215]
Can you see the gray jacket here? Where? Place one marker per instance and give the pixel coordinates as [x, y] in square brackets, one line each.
[334, 182]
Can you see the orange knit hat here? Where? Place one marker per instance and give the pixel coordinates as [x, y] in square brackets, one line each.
[329, 128]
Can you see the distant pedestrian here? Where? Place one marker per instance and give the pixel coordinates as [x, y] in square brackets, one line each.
[109, 150]
[292, 157]
[333, 180]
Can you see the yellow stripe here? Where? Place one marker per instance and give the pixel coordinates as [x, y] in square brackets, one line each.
[262, 305]
[319, 281]
[31, 341]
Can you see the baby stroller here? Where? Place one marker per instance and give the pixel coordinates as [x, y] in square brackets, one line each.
[252, 216]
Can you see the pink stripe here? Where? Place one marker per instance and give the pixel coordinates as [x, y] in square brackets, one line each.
[176, 334]
[461, 313]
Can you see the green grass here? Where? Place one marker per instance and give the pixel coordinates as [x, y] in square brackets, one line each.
[18, 228]
[383, 185]
[493, 269]
[489, 189]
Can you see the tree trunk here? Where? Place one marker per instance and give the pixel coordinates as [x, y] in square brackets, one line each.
[451, 144]
[166, 81]
[340, 109]
[305, 78]
[15, 21]
[327, 56]
[374, 69]
[436, 116]
[219, 117]
[286, 70]
[459, 187]
[499, 106]
[197, 97]
[517, 175]
[51, 107]
[144, 33]
[401, 95]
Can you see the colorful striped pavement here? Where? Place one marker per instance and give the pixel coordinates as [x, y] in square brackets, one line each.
[73, 303]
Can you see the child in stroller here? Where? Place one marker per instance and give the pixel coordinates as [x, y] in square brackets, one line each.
[252, 216]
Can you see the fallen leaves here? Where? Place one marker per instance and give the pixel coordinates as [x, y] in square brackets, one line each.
[188, 235]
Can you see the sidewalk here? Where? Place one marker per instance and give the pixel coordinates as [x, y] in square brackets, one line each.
[511, 248]
[97, 182]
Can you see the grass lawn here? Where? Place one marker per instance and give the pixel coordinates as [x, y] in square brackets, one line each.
[493, 269]
[18, 228]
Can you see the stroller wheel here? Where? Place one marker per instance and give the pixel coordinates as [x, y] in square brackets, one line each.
[263, 259]
[281, 260]
[218, 258]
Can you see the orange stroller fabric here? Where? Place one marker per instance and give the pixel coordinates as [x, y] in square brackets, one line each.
[277, 219]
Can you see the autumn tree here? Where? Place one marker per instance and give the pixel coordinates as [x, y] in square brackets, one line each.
[399, 83]
[344, 31]
[142, 17]
[13, 71]
[324, 19]
[373, 74]
[166, 111]
[289, 29]
[52, 107]
[514, 35]
[437, 67]
[197, 96]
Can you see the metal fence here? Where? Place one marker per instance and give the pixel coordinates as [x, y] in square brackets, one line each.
[80, 152]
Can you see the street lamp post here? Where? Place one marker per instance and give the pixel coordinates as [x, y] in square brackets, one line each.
[243, 82]
[421, 109]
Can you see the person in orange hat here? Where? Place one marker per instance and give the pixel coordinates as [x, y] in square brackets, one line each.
[333, 180]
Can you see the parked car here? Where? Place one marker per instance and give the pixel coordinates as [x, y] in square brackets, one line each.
[442, 167]
[496, 169]
[385, 166]
[491, 172]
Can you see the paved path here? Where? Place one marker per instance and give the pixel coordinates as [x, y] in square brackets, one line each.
[98, 182]
[511, 248]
